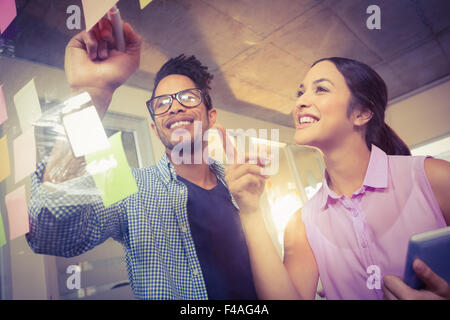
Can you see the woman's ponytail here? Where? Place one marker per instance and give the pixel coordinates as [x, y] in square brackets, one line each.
[386, 139]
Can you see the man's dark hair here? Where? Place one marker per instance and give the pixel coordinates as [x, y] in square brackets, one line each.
[191, 68]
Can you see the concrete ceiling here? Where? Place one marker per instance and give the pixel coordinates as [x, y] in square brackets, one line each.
[260, 50]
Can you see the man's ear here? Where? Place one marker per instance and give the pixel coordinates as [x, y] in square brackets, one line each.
[154, 129]
[212, 117]
[361, 117]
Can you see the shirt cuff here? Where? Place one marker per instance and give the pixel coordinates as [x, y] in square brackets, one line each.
[75, 192]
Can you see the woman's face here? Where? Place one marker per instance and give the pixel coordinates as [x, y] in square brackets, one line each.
[320, 113]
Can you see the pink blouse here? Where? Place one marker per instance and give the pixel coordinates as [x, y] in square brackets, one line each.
[357, 241]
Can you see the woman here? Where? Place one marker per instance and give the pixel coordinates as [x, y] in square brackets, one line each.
[374, 197]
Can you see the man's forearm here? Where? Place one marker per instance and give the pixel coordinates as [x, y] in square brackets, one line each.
[101, 97]
[62, 165]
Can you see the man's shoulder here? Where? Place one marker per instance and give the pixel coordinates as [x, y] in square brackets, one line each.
[146, 174]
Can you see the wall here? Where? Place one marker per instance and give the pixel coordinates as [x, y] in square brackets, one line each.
[423, 114]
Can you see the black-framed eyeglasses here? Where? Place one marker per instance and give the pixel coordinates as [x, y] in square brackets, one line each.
[189, 98]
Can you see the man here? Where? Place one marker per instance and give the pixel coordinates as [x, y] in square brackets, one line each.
[181, 232]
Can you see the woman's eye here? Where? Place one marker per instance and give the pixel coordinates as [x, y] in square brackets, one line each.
[299, 94]
[321, 89]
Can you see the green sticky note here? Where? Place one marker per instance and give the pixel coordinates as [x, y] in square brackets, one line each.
[111, 172]
[2, 232]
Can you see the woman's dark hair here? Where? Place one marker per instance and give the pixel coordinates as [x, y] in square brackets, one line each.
[191, 68]
[369, 92]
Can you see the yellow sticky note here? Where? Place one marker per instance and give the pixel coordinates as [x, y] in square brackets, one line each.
[144, 3]
[94, 10]
[27, 105]
[5, 169]
[111, 172]
[2, 232]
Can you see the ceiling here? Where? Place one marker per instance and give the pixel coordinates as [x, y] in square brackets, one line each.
[260, 50]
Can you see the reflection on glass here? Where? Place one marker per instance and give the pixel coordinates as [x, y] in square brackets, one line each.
[310, 167]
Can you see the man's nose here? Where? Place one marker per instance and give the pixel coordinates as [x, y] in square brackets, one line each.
[177, 107]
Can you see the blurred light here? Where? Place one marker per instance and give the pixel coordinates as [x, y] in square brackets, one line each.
[438, 148]
[282, 208]
[268, 142]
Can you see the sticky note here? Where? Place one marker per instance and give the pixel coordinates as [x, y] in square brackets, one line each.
[24, 148]
[2, 232]
[94, 10]
[85, 132]
[5, 169]
[144, 3]
[111, 172]
[27, 105]
[8, 12]
[16, 205]
[3, 113]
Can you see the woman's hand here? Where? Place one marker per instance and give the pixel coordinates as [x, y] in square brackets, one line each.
[246, 184]
[436, 287]
[245, 181]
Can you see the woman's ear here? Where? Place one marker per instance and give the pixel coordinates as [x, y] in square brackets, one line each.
[361, 117]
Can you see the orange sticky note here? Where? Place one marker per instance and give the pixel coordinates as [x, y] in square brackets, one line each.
[144, 3]
[5, 169]
[94, 10]
[3, 113]
[16, 205]
[24, 148]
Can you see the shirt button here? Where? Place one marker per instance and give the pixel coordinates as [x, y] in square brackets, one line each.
[195, 272]
[183, 229]
[181, 191]
[364, 244]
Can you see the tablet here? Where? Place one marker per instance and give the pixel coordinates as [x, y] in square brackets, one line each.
[433, 248]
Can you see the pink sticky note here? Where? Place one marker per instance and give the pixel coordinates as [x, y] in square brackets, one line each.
[94, 10]
[3, 113]
[7, 13]
[24, 155]
[16, 205]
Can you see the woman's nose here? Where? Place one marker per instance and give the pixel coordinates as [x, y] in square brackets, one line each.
[303, 101]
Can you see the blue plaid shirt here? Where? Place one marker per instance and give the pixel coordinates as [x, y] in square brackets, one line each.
[152, 225]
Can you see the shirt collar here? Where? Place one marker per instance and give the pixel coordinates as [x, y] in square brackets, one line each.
[376, 176]
[167, 170]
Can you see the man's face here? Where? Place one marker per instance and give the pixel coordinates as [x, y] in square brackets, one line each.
[178, 116]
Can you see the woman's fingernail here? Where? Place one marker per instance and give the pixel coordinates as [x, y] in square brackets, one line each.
[418, 265]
